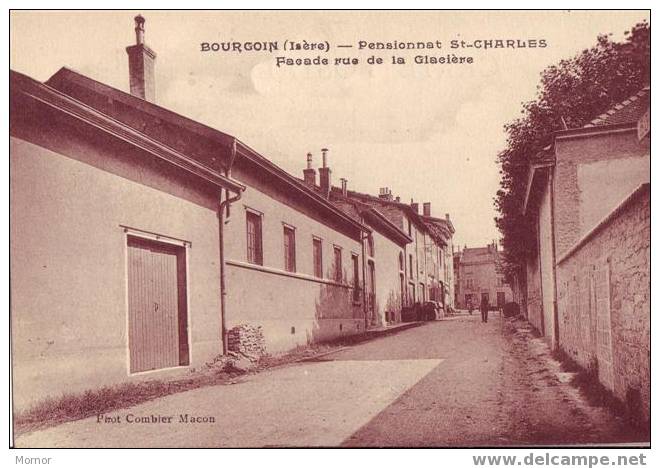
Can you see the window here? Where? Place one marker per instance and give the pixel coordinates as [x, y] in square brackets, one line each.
[356, 277]
[402, 265]
[289, 249]
[411, 293]
[501, 299]
[317, 248]
[370, 245]
[469, 283]
[337, 266]
[410, 261]
[254, 241]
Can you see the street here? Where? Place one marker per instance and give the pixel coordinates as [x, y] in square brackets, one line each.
[455, 382]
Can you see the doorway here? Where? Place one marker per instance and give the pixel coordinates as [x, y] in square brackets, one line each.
[157, 305]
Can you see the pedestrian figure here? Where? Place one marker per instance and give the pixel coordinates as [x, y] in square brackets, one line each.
[484, 310]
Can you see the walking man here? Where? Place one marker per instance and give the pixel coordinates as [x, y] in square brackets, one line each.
[484, 309]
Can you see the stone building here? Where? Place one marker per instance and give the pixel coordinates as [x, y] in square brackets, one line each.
[478, 276]
[588, 286]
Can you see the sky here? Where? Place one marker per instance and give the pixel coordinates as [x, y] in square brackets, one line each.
[427, 132]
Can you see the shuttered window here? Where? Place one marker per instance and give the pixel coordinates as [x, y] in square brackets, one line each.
[356, 277]
[254, 240]
[317, 247]
[337, 266]
[370, 245]
[289, 249]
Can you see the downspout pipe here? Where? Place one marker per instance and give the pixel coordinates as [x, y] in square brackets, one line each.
[224, 205]
[555, 309]
[363, 237]
[222, 208]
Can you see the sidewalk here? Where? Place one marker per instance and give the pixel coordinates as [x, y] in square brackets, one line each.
[387, 329]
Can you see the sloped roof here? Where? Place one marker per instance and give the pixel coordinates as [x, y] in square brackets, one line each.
[471, 255]
[358, 209]
[216, 149]
[628, 111]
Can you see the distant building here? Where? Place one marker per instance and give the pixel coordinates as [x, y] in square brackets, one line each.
[407, 253]
[478, 276]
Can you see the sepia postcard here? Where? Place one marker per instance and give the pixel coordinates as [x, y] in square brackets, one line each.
[284, 228]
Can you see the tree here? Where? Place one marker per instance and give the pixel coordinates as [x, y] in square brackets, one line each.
[569, 95]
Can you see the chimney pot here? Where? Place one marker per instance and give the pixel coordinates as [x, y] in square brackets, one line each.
[324, 175]
[139, 29]
[344, 187]
[309, 174]
[324, 152]
[385, 193]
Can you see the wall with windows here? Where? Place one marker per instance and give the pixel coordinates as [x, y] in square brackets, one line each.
[294, 306]
[388, 279]
[70, 198]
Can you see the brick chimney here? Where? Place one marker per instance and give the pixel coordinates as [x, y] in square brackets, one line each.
[414, 206]
[309, 174]
[324, 175]
[427, 208]
[385, 193]
[141, 60]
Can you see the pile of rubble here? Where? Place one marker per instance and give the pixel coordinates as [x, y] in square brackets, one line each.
[247, 341]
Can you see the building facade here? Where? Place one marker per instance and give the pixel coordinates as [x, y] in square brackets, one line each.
[588, 285]
[479, 278]
[140, 238]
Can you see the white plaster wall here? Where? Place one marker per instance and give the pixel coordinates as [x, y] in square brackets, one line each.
[293, 309]
[605, 184]
[547, 263]
[68, 277]
[388, 287]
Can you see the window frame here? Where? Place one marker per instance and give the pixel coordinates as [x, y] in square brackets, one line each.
[337, 265]
[289, 247]
[254, 254]
[357, 289]
[317, 267]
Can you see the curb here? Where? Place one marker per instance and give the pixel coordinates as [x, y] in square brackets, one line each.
[366, 336]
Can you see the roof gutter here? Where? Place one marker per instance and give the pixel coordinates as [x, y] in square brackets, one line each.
[530, 180]
[285, 177]
[52, 98]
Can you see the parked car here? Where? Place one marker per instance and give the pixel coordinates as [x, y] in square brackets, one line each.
[421, 311]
